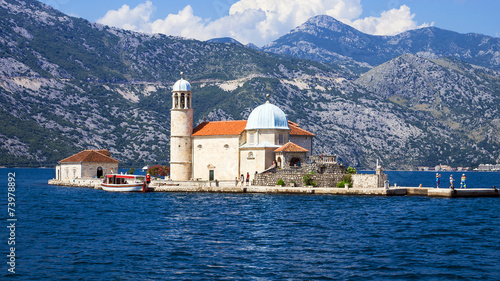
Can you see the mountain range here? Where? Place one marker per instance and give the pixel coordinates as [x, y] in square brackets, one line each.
[323, 38]
[67, 84]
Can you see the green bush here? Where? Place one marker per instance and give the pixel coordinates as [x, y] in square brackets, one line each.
[280, 182]
[308, 181]
[347, 179]
[351, 170]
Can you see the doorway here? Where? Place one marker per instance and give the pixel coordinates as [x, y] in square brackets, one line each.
[99, 172]
[211, 175]
[295, 162]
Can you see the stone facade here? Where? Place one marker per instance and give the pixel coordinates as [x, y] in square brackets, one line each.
[70, 171]
[303, 141]
[215, 156]
[255, 159]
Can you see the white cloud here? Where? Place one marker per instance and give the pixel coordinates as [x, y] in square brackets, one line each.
[258, 21]
[390, 22]
[138, 18]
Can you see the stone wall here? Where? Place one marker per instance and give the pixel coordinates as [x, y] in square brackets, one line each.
[369, 180]
[84, 182]
[364, 181]
[322, 180]
[324, 174]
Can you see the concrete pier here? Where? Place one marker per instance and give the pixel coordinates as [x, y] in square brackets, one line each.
[463, 193]
[285, 190]
[452, 193]
[84, 182]
[228, 187]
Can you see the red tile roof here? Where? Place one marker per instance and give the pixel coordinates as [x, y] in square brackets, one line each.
[297, 131]
[291, 147]
[220, 128]
[92, 155]
[236, 127]
[105, 152]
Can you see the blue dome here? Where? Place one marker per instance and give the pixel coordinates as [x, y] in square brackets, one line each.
[267, 116]
[181, 85]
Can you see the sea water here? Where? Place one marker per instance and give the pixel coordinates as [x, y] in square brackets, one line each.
[68, 233]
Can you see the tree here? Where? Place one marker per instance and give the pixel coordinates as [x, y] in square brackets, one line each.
[159, 170]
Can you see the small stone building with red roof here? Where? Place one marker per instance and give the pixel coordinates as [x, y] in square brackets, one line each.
[88, 163]
[290, 154]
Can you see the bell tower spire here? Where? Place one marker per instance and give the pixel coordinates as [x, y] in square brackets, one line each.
[181, 128]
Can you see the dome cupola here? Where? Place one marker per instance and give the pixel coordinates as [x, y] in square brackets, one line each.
[181, 94]
[267, 116]
[181, 86]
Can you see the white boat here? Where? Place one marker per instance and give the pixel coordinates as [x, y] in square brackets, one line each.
[126, 183]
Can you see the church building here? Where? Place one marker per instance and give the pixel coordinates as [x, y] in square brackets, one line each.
[223, 150]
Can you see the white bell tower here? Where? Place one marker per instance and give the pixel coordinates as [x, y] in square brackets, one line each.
[181, 128]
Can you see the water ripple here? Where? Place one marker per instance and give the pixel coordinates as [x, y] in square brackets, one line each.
[84, 234]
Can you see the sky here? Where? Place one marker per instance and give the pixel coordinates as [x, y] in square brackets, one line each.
[262, 21]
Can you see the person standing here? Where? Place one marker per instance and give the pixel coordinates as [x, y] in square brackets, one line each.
[451, 182]
[248, 178]
[438, 179]
[242, 179]
[462, 181]
[148, 178]
[235, 181]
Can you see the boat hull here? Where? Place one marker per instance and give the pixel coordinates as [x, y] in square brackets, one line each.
[122, 187]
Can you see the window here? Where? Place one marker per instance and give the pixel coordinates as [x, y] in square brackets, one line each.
[182, 101]
[281, 139]
[251, 138]
[199, 146]
[226, 146]
[250, 155]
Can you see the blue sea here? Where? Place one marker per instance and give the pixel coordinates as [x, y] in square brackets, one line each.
[67, 233]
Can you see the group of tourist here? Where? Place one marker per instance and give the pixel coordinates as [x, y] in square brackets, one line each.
[462, 181]
[242, 179]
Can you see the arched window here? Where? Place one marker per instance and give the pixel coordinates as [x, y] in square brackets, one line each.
[183, 101]
[250, 155]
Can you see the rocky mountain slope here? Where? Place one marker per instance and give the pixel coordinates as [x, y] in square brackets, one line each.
[323, 38]
[456, 105]
[67, 84]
